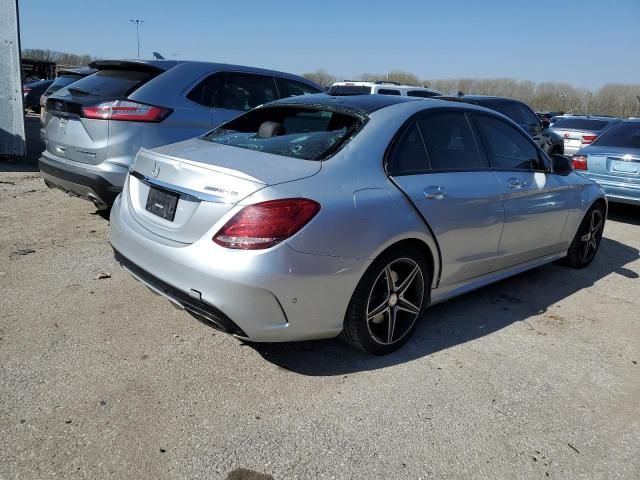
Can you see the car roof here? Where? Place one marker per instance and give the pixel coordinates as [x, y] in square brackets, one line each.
[383, 84]
[587, 117]
[75, 71]
[168, 64]
[478, 98]
[362, 103]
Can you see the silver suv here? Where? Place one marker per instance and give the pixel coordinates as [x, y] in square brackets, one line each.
[94, 127]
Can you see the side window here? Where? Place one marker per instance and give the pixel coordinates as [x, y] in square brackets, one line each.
[206, 91]
[421, 93]
[527, 117]
[450, 142]
[291, 88]
[508, 109]
[388, 91]
[408, 155]
[244, 91]
[508, 148]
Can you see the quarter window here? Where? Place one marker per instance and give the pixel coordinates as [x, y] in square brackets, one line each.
[388, 91]
[450, 142]
[243, 91]
[421, 93]
[508, 148]
[409, 156]
[206, 92]
[291, 88]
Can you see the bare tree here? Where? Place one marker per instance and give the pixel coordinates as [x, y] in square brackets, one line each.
[61, 58]
[321, 77]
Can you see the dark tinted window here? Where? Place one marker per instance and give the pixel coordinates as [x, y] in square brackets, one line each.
[207, 91]
[527, 117]
[306, 133]
[111, 83]
[421, 93]
[291, 88]
[349, 90]
[580, 124]
[450, 142]
[508, 109]
[388, 91]
[242, 91]
[508, 148]
[625, 134]
[408, 155]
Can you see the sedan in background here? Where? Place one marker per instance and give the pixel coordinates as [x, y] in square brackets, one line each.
[613, 161]
[32, 92]
[581, 130]
[321, 215]
[65, 77]
[95, 126]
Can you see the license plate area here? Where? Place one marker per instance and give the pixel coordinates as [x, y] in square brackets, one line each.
[624, 166]
[162, 203]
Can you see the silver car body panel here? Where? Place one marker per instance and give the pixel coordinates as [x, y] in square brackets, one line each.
[300, 289]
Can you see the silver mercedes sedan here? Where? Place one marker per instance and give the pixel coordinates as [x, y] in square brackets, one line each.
[323, 215]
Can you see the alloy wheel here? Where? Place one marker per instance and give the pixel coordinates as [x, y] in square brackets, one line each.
[591, 236]
[395, 301]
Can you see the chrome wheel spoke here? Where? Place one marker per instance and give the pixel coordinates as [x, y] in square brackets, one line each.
[407, 306]
[390, 284]
[391, 326]
[384, 306]
[404, 286]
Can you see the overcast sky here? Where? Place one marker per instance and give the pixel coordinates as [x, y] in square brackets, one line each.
[586, 43]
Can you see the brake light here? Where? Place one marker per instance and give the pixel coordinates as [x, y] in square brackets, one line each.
[589, 138]
[126, 111]
[266, 224]
[579, 162]
[25, 90]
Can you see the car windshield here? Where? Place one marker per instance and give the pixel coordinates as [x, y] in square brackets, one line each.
[298, 132]
[580, 124]
[625, 134]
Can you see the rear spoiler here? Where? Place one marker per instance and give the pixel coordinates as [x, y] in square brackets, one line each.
[156, 66]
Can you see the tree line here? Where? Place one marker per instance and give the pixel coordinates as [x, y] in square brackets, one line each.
[60, 58]
[620, 100]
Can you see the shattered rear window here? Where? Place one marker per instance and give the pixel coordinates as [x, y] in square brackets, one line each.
[291, 131]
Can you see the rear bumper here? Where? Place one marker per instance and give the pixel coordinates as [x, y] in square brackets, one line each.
[618, 191]
[99, 184]
[270, 295]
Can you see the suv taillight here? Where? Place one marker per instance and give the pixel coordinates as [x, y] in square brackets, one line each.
[589, 138]
[579, 162]
[266, 224]
[127, 111]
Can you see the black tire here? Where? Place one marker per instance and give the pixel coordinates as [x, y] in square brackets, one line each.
[587, 240]
[383, 332]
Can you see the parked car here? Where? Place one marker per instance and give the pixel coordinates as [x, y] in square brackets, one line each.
[354, 87]
[613, 161]
[520, 113]
[316, 216]
[31, 94]
[95, 126]
[581, 130]
[65, 77]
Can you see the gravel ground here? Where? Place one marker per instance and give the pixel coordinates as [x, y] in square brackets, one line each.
[533, 377]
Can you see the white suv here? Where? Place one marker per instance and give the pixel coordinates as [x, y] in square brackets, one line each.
[353, 87]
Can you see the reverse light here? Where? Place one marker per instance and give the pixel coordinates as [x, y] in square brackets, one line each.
[126, 110]
[266, 224]
[587, 139]
[579, 162]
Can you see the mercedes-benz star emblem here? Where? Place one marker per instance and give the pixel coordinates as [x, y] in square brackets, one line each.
[156, 170]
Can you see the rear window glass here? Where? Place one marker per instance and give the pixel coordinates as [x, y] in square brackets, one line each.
[306, 133]
[61, 82]
[621, 135]
[421, 93]
[580, 124]
[111, 83]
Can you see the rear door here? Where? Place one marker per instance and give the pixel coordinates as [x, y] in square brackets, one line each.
[536, 202]
[438, 165]
[72, 136]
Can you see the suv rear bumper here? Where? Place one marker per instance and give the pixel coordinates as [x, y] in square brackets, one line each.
[95, 183]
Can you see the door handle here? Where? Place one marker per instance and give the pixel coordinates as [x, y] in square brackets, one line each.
[515, 182]
[434, 192]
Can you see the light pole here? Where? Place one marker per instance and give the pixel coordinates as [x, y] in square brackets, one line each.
[137, 23]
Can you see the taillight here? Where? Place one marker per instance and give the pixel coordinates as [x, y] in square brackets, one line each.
[25, 90]
[266, 224]
[579, 162]
[589, 138]
[127, 111]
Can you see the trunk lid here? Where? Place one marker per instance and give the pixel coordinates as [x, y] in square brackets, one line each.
[573, 138]
[209, 178]
[619, 164]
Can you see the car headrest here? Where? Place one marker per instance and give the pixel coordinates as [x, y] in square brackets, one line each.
[270, 129]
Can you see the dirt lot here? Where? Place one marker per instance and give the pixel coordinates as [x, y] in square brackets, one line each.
[535, 377]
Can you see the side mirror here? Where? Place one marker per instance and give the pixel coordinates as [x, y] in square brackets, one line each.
[545, 123]
[561, 164]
